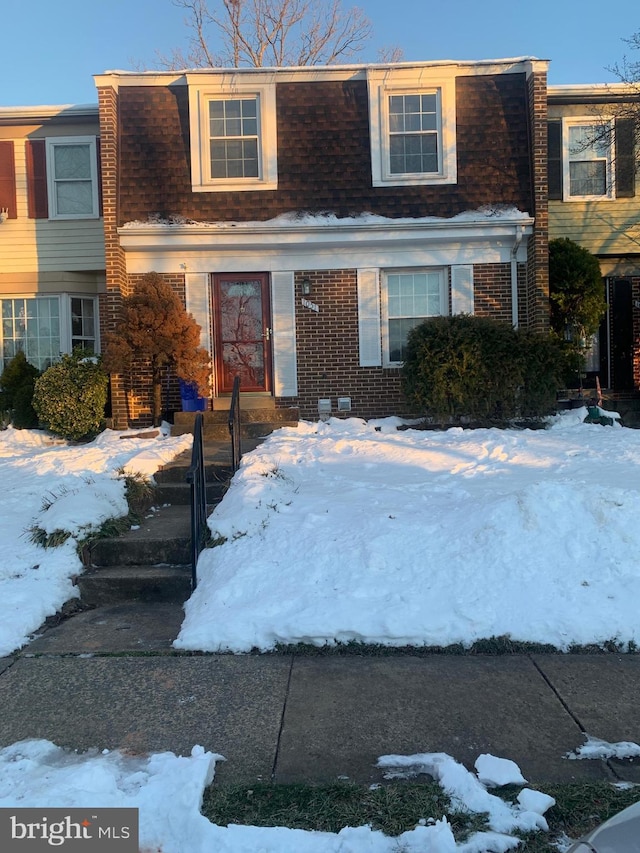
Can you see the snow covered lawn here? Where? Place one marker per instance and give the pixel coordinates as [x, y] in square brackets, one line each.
[81, 488]
[167, 789]
[356, 531]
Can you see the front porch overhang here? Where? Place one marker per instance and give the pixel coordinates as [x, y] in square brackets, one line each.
[324, 243]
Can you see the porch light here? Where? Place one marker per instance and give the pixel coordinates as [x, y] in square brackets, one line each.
[306, 287]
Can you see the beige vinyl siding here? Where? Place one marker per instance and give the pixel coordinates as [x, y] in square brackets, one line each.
[602, 227]
[30, 245]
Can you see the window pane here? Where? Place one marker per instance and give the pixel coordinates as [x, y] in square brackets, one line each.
[398, 332]
[31, 325]
[411, 298]
[234, 138]
[74, 198]
[232, 109]
[233, 127]
[216, 127]
[249, 127]
[588, 178]
[72, 161]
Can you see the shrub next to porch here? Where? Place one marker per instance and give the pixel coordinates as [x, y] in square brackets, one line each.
[479, 368]
[156, 329]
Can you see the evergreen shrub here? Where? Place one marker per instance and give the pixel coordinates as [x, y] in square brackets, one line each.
[481, 370]
[70, 396]
[16, 392]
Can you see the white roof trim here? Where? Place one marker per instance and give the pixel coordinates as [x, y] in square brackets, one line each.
[117, 78]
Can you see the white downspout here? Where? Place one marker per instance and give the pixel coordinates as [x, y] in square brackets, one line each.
[514, 274]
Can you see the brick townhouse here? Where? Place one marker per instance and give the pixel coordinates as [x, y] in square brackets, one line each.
[309, 217]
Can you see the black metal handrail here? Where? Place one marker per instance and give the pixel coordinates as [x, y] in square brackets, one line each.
[234, 426]
[196, 479]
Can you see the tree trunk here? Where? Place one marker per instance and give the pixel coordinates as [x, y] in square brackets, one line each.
[156, 398]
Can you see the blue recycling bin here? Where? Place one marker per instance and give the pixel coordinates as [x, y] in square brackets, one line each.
[190, 399]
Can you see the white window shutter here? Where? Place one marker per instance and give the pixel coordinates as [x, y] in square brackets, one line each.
[283, 313]
[369, 318]
[198, 301]
[462, 289]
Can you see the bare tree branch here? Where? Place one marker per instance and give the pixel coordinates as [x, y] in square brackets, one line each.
[258, 33]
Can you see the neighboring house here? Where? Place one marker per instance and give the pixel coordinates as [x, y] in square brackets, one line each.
[52, 267]
[309, 217]
[593, 201]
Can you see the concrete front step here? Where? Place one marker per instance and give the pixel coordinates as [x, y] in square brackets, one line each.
[179, 494]
[162, 538]
[117, 584]
[250, 429]
[254, 422]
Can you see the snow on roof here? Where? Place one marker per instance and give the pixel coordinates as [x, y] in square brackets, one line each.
[47, 111]
[302, 219]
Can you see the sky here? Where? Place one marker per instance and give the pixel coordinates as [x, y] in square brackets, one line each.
[50, 51]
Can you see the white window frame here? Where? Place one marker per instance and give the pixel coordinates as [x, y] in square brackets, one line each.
[66, 321]
[51, 144]
[384, 304]
[587, 121]
[384, 83]
[64, 317]
[200, 96]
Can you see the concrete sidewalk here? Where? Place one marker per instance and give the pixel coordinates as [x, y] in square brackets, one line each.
[108, 678]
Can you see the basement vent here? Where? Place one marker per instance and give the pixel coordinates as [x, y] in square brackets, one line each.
[344, 404]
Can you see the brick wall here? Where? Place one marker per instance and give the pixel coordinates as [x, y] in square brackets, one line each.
[324, 156]
[115, 265]
[538, 245]
[327, 350]
[492, 291]
[327, 341]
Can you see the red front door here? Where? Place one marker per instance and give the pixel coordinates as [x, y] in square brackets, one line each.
[242, 331]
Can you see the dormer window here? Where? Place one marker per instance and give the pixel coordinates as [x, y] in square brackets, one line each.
[233, 137]
[413, 137]
[414, 121]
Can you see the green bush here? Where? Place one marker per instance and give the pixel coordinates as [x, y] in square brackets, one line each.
[16, 392]
[480, 369]
[70, 397]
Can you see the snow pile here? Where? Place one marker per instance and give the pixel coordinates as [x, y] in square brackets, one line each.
[601, 749]
[358, 531]
[469, 794]
[51, 485]
[168, 789]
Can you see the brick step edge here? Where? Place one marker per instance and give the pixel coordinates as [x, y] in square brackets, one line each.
[117, 584]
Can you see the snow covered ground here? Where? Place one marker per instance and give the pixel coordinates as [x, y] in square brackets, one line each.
[167, 789]
[349, 530]
[335, 532]
[357, 531]
[57, 486]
